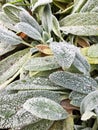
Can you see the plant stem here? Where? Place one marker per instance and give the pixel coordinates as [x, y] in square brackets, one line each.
[27, 44]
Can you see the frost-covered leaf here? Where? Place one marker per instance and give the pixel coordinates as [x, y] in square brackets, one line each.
[77, 82]
[9, 37]
[64, 53]
[33, 84]
[92, 51]
[4, 48]
[89, 5]
[40, 3]
[28, 30]
[27, 18]
[10, 65]
[12, 11]
[56, 26]
[45, 108]
[81, 63]
[84, 24]
[90, 102]
[41, 64]
[40, 125]
[47, 18]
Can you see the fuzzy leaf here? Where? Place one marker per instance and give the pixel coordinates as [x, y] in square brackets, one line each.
[40, 3]
[92, 51]
[41, 64]
[33, 84]
[9, 37]
[12, 11]
[90, 102]
[56, 26]
[45, 108]
[27, 18]
[12, 64]
[82, 24]
[87, 115]
[77, 82]
[64, 53]
[29, 30]
[47, 18]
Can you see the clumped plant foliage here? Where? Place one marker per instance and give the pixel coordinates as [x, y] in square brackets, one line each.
[49, 64]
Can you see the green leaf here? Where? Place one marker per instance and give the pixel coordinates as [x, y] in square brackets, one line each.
[90, 102]
[33, 84]
[81, 63]
[9, 37]
[10, 65]
[64, 53]
[45, 108]
[47, 18]
[40, 3]
[92, 51]
[89, 5]
[27, 18]
[29, 30]
[77, 82]
[12, 11]
[41, 64]
[40, 125]
[82, 24]
[56, 26]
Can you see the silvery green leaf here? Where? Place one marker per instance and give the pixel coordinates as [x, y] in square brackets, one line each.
[46, 36]
[64, 53]
[40, 125]
[77, 82]
[81, 63]
[83, 24]
[33, 84]
[87, 115]
[47, 18]
[45, 108]
[9, 37]
[29, 30]
[90, 102]
[89, 5]
[12, 11]
[10, 65]
[27, 18]
[56, 26]
[41, 64]
[40, 3]
[4, 48]
[78, 5]
[92, 51]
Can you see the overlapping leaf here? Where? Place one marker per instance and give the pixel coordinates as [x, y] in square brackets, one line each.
[80, 24]
[77, 82]
[45, 108]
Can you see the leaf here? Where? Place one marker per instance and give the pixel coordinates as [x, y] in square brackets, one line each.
[40, 125]
[40, 3]
[33, 84]
[92, 51]
[45, 108]
[57, 125]
[87, 115]
[56, 26]
[89, 5]
[82, 24]
[9, 37]
[47, 18]
[10, 65]
[90, 102]
[64, 53]
[41, 64]
[29, 30]
[81, 63]
[77, 82]
[78, 4]
[12, 11]
[27, 18]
